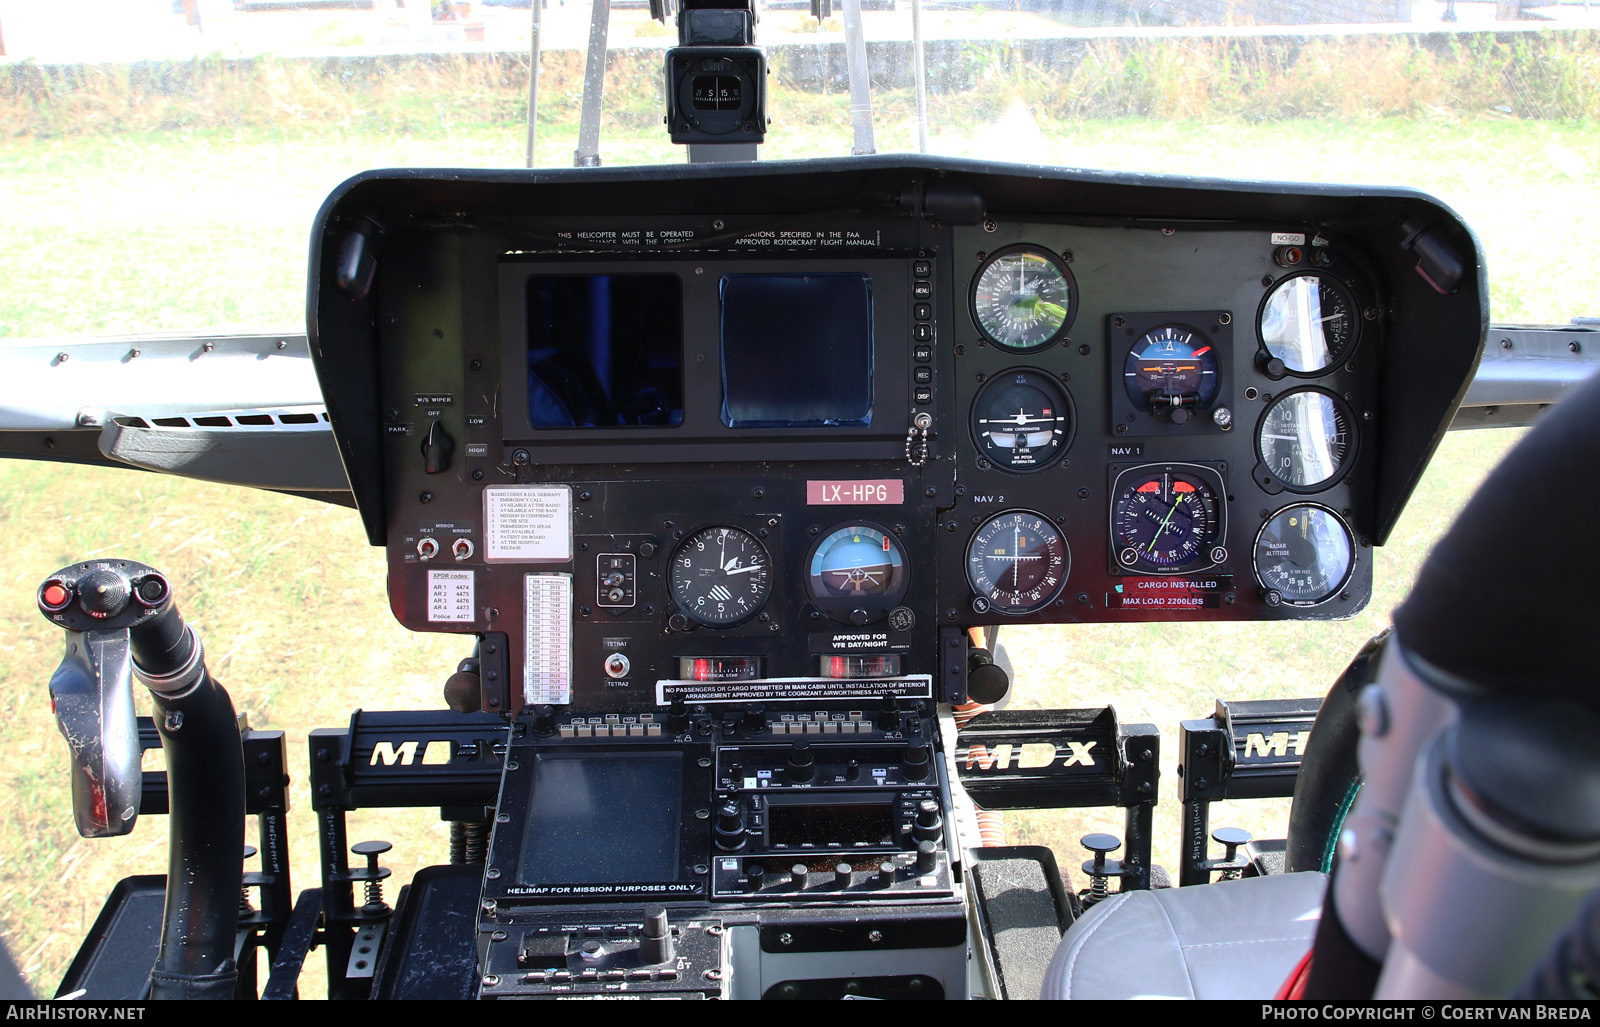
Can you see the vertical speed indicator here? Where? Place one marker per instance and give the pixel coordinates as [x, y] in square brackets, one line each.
[1018, 561]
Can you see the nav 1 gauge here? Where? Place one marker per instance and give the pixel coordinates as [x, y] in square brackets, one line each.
[1167, 519]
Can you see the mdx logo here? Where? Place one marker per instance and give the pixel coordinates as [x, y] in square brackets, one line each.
[1279, 744]
[1030, 756]
[404, 753]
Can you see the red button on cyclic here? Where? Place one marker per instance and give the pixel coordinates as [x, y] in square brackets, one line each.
[56, 595]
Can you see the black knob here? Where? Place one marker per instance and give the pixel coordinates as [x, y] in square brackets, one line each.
[885, 873]
[1270, 364]
[841, 874]
[647, 550]
[657, 945]
[987, 682]
[914, 765]
[544, 720]
[103, 593]
[859, 617]
[797, 876]
[678, 717]
[852, 770]
[889, 713]
[929, 825]
[1100, 844]
[927, 857]
[802, 764]
[1230, 838]
[152, 591]
[730, 829]
[755, 718]
[755, 875]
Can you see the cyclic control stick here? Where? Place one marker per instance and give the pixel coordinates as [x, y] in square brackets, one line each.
[120, 622]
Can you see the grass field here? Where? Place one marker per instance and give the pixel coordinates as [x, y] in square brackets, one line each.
[202, 228]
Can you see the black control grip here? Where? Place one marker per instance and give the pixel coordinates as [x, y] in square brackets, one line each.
[1509, 599]
[111, 595]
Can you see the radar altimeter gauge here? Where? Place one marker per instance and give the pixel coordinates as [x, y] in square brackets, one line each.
[721, 576]
[1167, 519]
[857, 573]
[1304, 554]
[1023, 297]
[1022, 420]
[1018, 561]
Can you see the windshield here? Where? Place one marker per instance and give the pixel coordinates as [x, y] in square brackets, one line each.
[164, 160]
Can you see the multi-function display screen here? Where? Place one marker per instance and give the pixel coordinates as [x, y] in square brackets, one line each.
[603, 818]
[605, 351]
[797, 350]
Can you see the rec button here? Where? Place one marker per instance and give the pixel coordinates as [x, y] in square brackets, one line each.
[922, 375]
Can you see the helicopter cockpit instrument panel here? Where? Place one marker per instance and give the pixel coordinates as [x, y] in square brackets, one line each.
[691, 432]
[723, 464]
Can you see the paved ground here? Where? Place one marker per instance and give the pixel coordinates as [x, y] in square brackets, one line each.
[111, 30]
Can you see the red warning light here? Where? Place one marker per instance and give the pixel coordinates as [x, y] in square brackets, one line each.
[702, 670]
[1182, 486]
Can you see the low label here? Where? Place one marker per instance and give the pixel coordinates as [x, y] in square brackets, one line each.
[1168, 593]
[450, 597]
[866, 492]
[912, 686]
[527, 523]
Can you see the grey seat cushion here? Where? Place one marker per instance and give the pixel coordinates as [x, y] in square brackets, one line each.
[1233, 940]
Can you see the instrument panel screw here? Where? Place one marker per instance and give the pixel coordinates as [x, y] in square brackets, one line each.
[813, 530]
[283, 344]
[1266, 280]
[1573, 347]
[426, 497]
[989, 225]
[930, 492]
[713, 974]
[475, 365]
[1169, 231]
[209, 347]
[714, 931]
[1224, 318]
[1083, 599]
[758, 492]
[498, 936]
[950, 526]
[521, 458]
[492, 874]
[874, 936]
[1122, 429]
[503, 818]
[133, 353]
[585, 496]
[717, 224]
[477, 475]
[490, 906]
[785, 938]
[490, 980]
